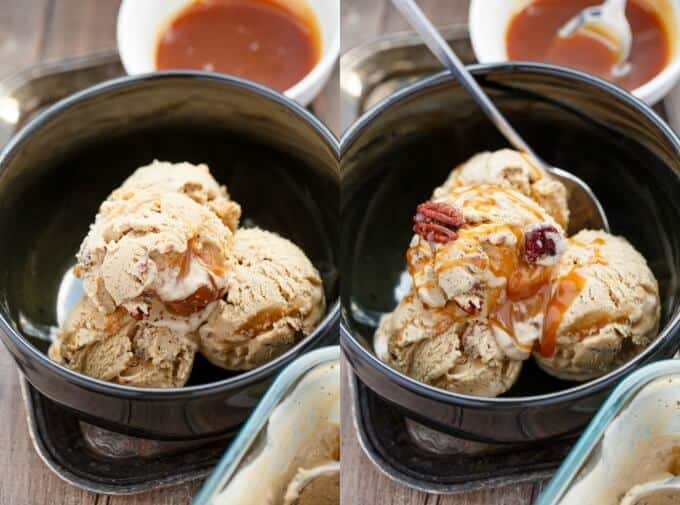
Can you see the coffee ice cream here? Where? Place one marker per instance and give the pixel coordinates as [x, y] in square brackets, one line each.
[495, 280]
[486, 252]
[194, 181]
[274, 298]
[511, 169]
[154, 246]
[440, 348]
[604, 308]
[117, 348]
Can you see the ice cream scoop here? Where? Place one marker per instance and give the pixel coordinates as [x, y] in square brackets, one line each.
[274, 297]
[514, 170]
[115, 347]
[154, 246]
[494, 266]
[194, 181]
[438, 347]
[604, 308]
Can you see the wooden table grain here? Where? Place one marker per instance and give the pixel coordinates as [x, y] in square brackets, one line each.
[32, 31]
[362, 483]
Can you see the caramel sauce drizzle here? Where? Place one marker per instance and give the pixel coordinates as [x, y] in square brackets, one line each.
[481, 198]
[565, 292]
[529, 289]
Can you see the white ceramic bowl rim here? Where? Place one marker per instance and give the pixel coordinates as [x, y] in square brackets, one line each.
[482, 11]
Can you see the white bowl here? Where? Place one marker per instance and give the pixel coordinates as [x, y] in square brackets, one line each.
[141, 21]
[489, 21]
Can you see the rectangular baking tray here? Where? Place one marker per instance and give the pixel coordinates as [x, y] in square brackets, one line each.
[256, 426]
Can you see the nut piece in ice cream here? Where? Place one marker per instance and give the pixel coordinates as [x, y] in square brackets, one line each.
[274, 297]
[437, 347]
[513, 170]
[603, 311]
[193, 181]
[497, 265]
[154, 246]
[116, 348]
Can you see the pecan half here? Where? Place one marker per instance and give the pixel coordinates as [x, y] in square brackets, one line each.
[538, 242]
[437, 222]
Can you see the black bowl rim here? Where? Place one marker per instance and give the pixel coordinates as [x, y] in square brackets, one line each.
[243, 379]
[580, 391]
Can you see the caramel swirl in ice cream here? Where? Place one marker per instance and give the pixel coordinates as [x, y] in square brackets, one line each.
[565, 291]
[273, 299]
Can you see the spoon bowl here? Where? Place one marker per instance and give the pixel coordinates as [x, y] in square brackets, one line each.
[585, 210]
[608, 20]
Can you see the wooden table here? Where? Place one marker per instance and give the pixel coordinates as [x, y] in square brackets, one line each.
[363, 20]
[32, 31]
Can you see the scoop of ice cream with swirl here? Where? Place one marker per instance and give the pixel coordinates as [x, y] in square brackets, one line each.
[164, 277]
[158, 246]
[496, 280]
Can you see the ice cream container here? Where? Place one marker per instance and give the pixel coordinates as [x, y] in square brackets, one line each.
[634, 439]
[303, 401]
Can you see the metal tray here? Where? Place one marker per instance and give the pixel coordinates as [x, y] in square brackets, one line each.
[27, 92]
[102, 461]
[433, 462]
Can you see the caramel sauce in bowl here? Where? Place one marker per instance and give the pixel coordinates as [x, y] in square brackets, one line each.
[265, 41]
[526, 30]
[290, 46]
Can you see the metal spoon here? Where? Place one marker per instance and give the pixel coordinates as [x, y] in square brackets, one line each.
[585, 208]
[661, 488]
[608, 19]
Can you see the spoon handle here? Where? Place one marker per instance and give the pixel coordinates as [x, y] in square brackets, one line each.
[445, 54]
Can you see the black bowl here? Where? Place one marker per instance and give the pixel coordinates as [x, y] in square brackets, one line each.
[399, 151]
[277, 160]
